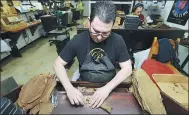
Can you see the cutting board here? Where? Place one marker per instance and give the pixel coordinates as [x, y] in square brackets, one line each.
[122, 103]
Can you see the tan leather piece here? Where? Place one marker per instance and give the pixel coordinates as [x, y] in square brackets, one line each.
[35, 109]
[48, 90]
[31, 90]
[46, 108]
[36, 91]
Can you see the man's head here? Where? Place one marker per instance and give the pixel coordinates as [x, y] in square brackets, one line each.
[101, 20]
[137, 10]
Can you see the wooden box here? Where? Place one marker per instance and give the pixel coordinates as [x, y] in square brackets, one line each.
[174, 86]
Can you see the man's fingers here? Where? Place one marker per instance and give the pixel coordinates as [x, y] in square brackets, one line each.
[72, 101]
[76, 101]
[92, 98]
[101, 101]
[80, 100]
[97, 102]
[80, 95]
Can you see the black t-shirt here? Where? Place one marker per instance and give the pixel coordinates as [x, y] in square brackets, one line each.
[114, 46]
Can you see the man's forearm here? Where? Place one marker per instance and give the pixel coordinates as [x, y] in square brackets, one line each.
[119, 78]
[62, 75]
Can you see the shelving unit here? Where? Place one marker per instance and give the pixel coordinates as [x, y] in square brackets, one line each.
[128, 4]
[21, 36]
[24, 41]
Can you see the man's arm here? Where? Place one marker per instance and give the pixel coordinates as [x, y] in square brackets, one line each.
[102, 93]
[61, 73]
[126, 70]
[73, 94]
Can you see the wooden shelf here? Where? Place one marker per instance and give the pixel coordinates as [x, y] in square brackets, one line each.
[29, 12]
[18, 30]
[9, 15]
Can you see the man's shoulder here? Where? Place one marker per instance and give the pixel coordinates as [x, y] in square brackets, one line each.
[116, 37]
[81, 35]
[80, 38]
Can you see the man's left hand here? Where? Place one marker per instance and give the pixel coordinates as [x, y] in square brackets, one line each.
[99, 96]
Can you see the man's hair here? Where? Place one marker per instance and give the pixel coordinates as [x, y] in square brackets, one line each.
[104, 10]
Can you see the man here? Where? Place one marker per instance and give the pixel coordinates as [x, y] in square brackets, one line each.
[92, 47]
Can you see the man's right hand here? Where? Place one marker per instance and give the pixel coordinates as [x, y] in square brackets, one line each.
[75, 96]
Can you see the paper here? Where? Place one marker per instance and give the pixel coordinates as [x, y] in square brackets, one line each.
[148, 19]
[4, 46]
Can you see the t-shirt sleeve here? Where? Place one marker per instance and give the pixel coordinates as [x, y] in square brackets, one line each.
[122, 54]
[68, 52]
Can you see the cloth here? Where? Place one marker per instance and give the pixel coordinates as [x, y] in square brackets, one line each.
[146, 92]
[114, 46]
[166, 52]
[46, 108]
[97, 67]
[36, 92]
[76, 75]
[42, 108]
[174, 65]
[141, 17]
[140, 57]
[151, 67]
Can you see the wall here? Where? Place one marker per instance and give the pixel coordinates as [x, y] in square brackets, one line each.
[86, 8]
[183, 51]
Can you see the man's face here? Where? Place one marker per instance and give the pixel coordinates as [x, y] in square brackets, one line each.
[138, 11]
[99, 31]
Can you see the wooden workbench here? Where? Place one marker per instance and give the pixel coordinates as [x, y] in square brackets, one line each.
[127, 100]
[121, 101]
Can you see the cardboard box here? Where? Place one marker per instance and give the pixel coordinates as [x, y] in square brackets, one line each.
[175, 86]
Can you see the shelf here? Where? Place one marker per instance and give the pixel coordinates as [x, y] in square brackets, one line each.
[29, 12]
[33, 24]
[18, 30]
[9, 15]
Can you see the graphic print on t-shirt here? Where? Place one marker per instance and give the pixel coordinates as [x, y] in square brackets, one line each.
[97, 53]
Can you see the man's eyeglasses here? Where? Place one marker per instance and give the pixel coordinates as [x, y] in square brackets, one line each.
[103, 34]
